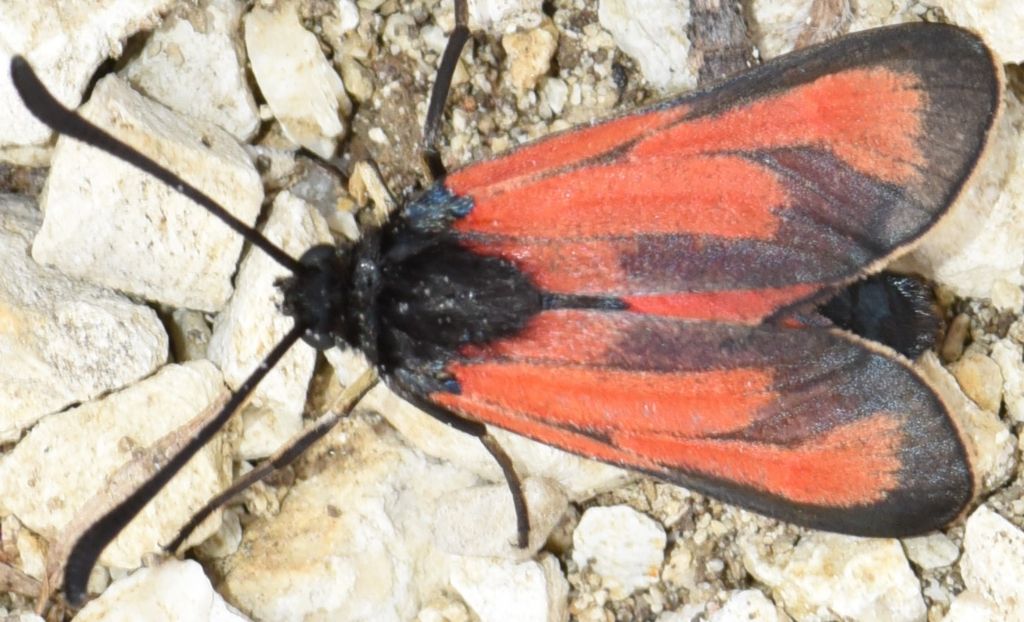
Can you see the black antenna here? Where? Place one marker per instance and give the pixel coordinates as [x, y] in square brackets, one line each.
[47, 109]
[92, 541]
[442, 84]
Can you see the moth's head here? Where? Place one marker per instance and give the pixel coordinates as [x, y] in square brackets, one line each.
[316, 296]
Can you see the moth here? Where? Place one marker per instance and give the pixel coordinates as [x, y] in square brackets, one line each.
[643, 290]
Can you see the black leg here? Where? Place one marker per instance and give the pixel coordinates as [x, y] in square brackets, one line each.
[93, 540]
[285, 455]
[442, 84]
[479, 430]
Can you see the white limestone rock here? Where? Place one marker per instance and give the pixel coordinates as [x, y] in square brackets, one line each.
[63, 340]
[932, 551]
[252, 324]
[110, 223]
[194, 64]
[748, 606]
[529, 55]
[503, 16]
[301, 87]
[174, 591]
[1009, 355]
[354, 541]
[499, 590]
[476, 515]
[653, 33]
[65, 43]
[830, 576]
[66, 459]
[622, 546]
[992, 562]
[993, 443]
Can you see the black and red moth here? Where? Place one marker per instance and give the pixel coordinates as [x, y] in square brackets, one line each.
[637, 290]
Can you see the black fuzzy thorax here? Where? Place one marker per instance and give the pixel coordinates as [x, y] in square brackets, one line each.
[417, 298]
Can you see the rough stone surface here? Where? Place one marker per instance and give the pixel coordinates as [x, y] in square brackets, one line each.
[831, 576]
[622, 546]
[498, 590]
[305, 94]
[63, 340]
[993, 443]
[1009, 355]
[252, 324]
[66, 459]
[174, 591]
[65, 43]
[502, 16]
[113, 224]
[993, 557]
[354, 540]
[979, 377]
[935, 550]
[747, 606]
[193, 64]
[653, 33]
[475, 515]
[529, 55]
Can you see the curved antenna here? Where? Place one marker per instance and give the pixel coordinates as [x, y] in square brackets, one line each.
[47, 109]
[93, 540]
[442, 85]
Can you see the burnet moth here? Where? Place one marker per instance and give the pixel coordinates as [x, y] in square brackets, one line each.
[641, 290]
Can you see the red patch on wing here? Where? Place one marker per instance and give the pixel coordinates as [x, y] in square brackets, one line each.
[870, 118]
[856, 464]
[604, 399]
[629, 195]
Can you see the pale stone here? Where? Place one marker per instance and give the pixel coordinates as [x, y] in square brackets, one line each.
[66, 459]
[979, 377]
[993, 562]
[63, 340]
[971, 607]
[476, 515]
[305, 94]
[653, 33]
[110, 223]
[994, 445]
[622, 546]
[1009, 355]
[174, 591]
[529, 55]
[832, 576]
[64, 42]
[499, 590]
[935, 550]
[352, 542]
[502, 16]
[252, 324]
[747, 606]
[192, 64]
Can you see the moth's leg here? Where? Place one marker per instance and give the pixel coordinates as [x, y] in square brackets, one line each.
[515, 485]
[285, 455]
